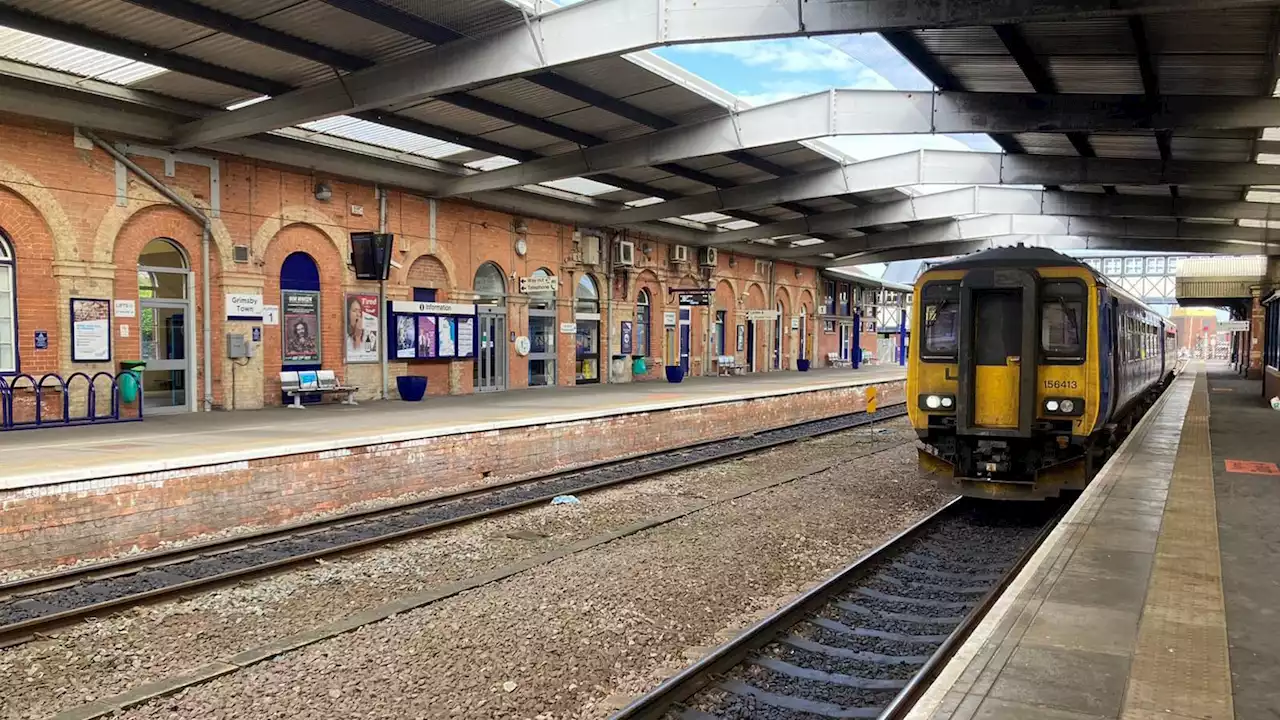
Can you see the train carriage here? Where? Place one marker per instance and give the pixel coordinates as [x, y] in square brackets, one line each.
[1027, 370]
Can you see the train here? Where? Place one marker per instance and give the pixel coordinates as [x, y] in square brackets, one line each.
[1026, 371]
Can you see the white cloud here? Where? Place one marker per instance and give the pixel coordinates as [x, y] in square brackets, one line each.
[795, 55]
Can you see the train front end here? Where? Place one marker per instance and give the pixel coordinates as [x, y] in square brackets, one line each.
[1003, 378]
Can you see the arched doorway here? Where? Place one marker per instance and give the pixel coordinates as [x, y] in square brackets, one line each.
[542, 332]
[8, 310]
[164, 299]
[586, 315]
[490, 285]
[301, 346]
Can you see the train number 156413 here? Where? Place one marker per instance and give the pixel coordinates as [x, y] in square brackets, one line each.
[1060, 384]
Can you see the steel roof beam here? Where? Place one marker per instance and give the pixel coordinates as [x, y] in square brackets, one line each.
[1055, 242]
[997, 225]
[950, 167]
[1003, 201]
[878, 112]
[603, 28]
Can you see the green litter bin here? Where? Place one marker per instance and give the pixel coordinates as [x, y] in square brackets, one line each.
[638, 368]
[130, 379]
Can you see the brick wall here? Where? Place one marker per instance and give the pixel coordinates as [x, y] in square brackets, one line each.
[95, 518]
[74, 235]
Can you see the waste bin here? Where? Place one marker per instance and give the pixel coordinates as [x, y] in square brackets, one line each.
[638, 366]
[130, 379]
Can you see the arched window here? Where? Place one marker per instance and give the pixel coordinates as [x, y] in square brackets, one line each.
[587, 296]
[300, 309]
[162, 271]
[490, 285]
[542, 300]
[586, 316]
[644, 318]
[8, 310]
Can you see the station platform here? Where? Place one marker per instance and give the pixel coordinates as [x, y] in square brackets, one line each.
[1154, 597]
[77, 492]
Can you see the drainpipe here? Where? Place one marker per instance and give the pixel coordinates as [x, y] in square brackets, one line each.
[382, 294]
[206, 236]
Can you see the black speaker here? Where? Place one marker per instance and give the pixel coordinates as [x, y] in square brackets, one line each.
[371, 255]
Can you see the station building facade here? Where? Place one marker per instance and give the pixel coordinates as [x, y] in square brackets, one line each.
[97, 269]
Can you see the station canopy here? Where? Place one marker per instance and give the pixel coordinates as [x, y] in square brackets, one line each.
[1147, 127]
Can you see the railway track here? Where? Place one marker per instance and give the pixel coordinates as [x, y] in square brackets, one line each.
[42, 603]
[868, 640]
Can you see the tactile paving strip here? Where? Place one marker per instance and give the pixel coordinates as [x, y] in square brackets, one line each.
[1180, 665]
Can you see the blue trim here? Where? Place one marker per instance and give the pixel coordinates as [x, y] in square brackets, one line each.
[299, 272]
[12, 262]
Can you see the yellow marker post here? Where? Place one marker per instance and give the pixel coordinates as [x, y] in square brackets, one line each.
[871, 399]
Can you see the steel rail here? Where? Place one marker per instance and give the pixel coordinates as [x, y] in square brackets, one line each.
[697, 677]
[36, 586]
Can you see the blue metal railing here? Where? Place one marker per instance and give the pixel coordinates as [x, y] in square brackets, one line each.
[18, 386]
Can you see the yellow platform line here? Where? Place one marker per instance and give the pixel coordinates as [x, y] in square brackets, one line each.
[1180, 665]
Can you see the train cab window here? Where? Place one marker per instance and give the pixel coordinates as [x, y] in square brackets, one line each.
[1062, 322]
[940, 313]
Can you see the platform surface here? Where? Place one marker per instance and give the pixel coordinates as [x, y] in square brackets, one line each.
[30, 458]
[1154, 597]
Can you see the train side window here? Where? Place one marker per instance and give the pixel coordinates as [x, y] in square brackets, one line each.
[940, 312]
[1062, 322]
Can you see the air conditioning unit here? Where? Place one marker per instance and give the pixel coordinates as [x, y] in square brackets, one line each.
[679, 253]
[708, 256]
[589, 249]
[625, 253]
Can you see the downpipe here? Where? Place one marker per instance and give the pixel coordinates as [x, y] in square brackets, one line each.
[383, 332]
[206, 238]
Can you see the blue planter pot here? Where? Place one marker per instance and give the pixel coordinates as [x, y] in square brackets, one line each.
[675, 373]
[802, 365]
[411, 387]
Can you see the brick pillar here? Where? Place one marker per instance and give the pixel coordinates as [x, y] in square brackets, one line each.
[1256, 329]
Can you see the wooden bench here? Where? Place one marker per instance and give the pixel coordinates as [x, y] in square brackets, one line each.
[311, 382]
[833, 360]
[728, 365]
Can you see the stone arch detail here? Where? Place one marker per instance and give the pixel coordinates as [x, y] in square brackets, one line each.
[143, 200]
[302, 215]
[42, 201]
[649, 278]
[439, 257]
[755, 294]
[426, 265]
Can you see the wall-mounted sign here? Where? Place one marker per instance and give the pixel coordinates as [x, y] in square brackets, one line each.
[625, 337]
[762, 314]
[257, 334]
[240, 306]
[742, 337]
[42, 339]
[90, 330]
[695, 299]
[270, 314]
[432, 308]
[669, 318]
[569, 328]
[466, 337]
[124, 330]
[1233, 326]
[360, 325]
[795, 323]
[371, 255]
[301, 342]
[539, 285]
[522, 346]
[126, 309]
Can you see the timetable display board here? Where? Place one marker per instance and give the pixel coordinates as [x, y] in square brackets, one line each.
[431, 330]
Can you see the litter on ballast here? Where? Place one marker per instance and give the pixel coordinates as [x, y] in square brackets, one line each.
[565, 500]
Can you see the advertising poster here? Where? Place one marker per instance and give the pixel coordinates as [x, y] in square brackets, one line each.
[466, 336]
[406, 334]
[626, 337]
[446, 332]
[301, 327]
[90, 330]
[426, 336]
[742, 337]
[360, 323]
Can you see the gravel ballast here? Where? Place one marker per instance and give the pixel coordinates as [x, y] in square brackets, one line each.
[606, 621]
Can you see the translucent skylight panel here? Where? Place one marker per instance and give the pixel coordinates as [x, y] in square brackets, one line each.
[345, 126]
[57, 55]
[581, 186]
[495, 162]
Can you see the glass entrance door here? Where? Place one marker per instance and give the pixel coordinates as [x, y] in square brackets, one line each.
[686, 322]
[491, 355]
[542, 347]
[164, 331]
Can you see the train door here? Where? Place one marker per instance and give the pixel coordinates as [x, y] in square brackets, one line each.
[997, 358]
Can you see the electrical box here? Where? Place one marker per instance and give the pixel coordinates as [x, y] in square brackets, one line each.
[238, 347]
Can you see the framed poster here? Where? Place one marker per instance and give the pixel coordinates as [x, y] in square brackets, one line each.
[466, 337]
[742, 337]
[426, 337]
[301, 343]
[626, 337]
[446, 337]
[360, 328]
[90, 330]
[406, 337]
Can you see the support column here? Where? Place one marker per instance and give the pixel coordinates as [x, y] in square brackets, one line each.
[1256, 331]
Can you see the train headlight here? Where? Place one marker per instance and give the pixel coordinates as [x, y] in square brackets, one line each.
[1067, 406]
[933, 402]
[1064, 406]
[937, 403]
[948, 402]
[1051, 405]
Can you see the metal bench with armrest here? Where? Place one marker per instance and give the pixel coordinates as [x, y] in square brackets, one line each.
[311, 382]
